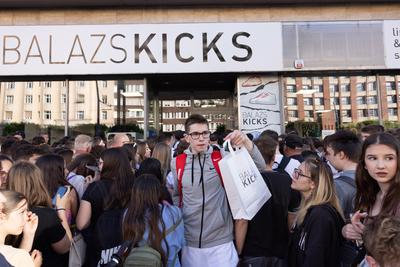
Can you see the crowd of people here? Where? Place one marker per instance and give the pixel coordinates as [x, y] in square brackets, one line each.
[162, 202]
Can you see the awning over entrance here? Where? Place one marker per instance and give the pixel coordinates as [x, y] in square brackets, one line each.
[114, 3]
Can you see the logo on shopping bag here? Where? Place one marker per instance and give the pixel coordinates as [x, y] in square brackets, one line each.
[247, 177]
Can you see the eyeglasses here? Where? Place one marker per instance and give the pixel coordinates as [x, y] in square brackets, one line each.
[196, 135]
[298, 173]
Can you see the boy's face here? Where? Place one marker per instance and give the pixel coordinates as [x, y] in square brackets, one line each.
[334, 159]
[198, 137]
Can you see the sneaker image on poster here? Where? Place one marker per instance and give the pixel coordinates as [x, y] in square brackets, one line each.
[264, 98]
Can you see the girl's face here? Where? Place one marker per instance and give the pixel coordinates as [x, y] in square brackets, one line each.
[301, 180]
[14, 221]
[5, 168]
[381, 163]
[148, 152]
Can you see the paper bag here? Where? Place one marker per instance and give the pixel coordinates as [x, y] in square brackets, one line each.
[244, 185]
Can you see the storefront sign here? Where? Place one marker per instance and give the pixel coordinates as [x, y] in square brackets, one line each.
[391, 35]
[142, 48]
[259, 104]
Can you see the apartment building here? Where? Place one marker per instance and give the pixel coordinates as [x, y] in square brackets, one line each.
[341, 100]
[45, 103]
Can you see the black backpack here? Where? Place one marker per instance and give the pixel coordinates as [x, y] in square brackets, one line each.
[282, 165]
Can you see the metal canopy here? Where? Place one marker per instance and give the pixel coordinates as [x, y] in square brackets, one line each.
[161, 3]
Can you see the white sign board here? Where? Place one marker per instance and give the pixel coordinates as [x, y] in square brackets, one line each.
[391, 35]
[259, 104]
[141, 48]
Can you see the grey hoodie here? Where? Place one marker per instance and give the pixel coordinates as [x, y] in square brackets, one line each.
[206, 214]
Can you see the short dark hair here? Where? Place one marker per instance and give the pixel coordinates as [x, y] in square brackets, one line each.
[164, 137]
[193, 119]
[267, 147]
[271, 133]
[346, 141]
[373, 128]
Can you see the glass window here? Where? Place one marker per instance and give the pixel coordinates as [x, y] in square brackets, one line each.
[104, 99]
[309, 114]
[293, 113]
[29, 85]
[372, 100]
[9, 115]
[182, 103]
[28, 115]
[345, 87]
[360, 87]
[319, 88]
[371, 86]
[391, 99]
[373, 113]
[28, 99]
[292, 101]
[47, 84]
[80, 98]
[81, 83]
[345, 100]
[319, 101]
[361, 100]
[308, 101]
[291, 88]
[362, 113]
[64, 83]
[103, 84]
[333, 88]
[390, 86]
[104, 115]
[392, 111]
[47, 115]
[209, 103]
[80, 115]
[9, 99]
[63, 98]
[47, 98]
[346, 113]
[168, 103]
[335, 101]
[10, 85]
[63, 115]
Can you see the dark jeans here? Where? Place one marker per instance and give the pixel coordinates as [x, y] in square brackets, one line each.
[262, 262]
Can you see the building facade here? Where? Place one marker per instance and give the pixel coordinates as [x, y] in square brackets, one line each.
[45, 103]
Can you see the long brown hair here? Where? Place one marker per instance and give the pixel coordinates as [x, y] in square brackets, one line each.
[144, 211]
[162, 152]
[368, 188]
[26, 178]
[324, 192]
[116, 168]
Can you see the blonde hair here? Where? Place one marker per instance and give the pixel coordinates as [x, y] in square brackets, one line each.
[324, 192]
[26, 178]
[162, 152]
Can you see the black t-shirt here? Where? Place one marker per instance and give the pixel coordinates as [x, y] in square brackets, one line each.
[49, 231]
[95, 194]
[268, 232]
[299, 157]
[108, 236]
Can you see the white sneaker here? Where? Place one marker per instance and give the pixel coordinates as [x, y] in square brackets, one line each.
[252, 81]
[265, 98]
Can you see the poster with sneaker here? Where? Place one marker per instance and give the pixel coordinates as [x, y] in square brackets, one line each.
[259, 104]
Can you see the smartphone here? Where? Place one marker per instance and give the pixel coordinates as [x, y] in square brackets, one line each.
[93, 168]
[61, 192]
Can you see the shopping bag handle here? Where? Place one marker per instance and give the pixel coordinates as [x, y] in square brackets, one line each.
[228, 142]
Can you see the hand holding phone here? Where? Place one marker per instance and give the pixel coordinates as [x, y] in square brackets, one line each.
[61, 196]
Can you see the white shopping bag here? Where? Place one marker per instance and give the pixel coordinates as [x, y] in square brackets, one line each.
[244, 185]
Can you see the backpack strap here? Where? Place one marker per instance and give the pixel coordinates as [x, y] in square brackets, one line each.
[215, 158]
[180, 167]
[347, 180]
[284, 162]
